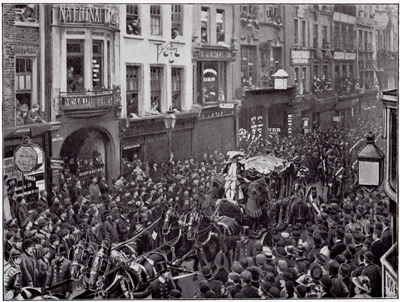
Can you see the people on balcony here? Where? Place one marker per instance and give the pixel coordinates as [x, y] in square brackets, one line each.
[33, 116]
[77, 85]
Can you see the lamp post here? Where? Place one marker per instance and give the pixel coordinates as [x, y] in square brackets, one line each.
[370, 164]
[169, 121]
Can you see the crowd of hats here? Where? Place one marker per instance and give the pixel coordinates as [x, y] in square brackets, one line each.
[148, 188]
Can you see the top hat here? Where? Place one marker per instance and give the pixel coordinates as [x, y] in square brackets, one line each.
[161, 267]
[60, 249]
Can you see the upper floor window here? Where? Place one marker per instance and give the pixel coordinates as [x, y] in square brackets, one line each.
[27, 13]
[325, 41]
[176, 96]
[265, 65]
[155, 20]
[75, 66]
[23, 87]
[220, 25]
[176, 20]
[97, 65]
[296, 32]
[205, 26]
[132, 90]
[133, 26]
[315, 35]
[248, 66]
[155, 89]
[304, 32]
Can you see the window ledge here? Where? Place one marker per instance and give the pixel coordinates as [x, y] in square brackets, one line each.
[26, 24]
[133, 37]
[177, 42]
[157, 40]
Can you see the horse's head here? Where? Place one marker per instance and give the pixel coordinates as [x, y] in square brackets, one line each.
[169, 217]
[193, 224]
[80, 258]
[99, 267]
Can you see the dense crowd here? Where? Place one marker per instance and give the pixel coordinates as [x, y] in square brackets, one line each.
[331, 250]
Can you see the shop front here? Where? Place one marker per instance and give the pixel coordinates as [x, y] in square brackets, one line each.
[85, 89]
[263, 113]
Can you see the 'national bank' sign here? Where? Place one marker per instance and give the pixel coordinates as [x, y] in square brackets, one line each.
[89, 14]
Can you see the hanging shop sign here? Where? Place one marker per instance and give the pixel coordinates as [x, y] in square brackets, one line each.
[91, 14]
[216, 113]
[28, 156]
[300, 57]
[226, 105]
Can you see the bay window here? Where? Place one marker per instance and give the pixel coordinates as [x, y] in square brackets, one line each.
[97, 65]
[75, 64]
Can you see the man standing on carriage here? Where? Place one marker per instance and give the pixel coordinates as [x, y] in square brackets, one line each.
[232, 171]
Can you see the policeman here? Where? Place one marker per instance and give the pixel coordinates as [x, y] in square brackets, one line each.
[12, 275]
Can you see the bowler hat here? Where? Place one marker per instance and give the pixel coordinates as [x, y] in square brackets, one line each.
[41, 222]
[316, 271]
[326, 282]
[258, 247]
[274, 292]
[282, 265]
[175, 294]
[334, 268]
[369, 257]
[234, 276]
[237, 267]
[280, 252]
[14, 253]
[17, 237]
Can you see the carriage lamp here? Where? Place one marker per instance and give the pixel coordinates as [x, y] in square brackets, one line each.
[169, 121]
[370, 164]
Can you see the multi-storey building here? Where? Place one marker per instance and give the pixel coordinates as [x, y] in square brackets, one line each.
[263, 110]
[387, 41]
[24, 86]
[83, 51]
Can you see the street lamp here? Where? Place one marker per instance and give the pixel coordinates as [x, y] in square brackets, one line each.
[169, 121]
[370, 164]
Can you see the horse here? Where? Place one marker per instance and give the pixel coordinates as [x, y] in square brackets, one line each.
[81, 259]
[116, 273]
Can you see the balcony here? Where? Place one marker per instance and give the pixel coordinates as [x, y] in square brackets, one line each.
[90, 103]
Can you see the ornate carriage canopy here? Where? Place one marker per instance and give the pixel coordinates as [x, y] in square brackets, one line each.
[266, 164]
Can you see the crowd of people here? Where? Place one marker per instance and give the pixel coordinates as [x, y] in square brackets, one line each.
[325, 247]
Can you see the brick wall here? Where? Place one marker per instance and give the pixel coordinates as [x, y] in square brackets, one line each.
[13, 36]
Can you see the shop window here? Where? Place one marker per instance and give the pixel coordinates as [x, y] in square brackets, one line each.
[176, 88]
[97, 65]
[393, 178]
[351, 70]
[155, 20]
[344, 70]
[315, 36]
[132, 90]
[75, 66]
[220, 25]
[205, 26]
[176, 20]
[304, 80]
[133, 26]
[248, 66]
[27, 14]
[155, 89]
[296, 32]
[211, 82]
[304, 32]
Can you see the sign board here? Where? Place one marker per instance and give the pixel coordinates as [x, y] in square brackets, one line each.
[26, 158]
[341, 55]
[217, 113]
[300, 57]
[227, 105]
[337, 118]
[88, 14]
[274, 130]
[56, 164]
[214, 54]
